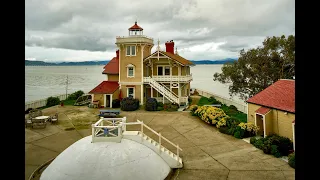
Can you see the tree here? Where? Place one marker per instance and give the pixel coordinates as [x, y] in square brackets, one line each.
[258, 68]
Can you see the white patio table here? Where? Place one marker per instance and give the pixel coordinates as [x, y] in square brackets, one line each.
[42, 117]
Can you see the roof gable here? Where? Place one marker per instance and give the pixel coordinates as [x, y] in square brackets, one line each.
[112, 67]
[174, 57]
[280, 95]
[105, 87]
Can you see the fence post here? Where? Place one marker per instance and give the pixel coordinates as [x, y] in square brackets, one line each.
[124, 120]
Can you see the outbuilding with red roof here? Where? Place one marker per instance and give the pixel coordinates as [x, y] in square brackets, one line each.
[273, 109]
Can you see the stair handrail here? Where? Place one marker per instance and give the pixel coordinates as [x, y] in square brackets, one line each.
[169, 90]
[155, 132]
[165, 92]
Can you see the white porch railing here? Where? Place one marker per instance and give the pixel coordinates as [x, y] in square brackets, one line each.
[186, 78]
[119, 124]
[166, 93]
[133, 39]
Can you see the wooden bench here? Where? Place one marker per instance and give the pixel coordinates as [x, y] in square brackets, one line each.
[117, 112]
[108, 115]
[41, 123]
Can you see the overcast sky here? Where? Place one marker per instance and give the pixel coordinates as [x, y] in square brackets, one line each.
[82, 30]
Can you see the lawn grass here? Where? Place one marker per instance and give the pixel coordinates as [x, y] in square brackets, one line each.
[242, 117]
[69, 102]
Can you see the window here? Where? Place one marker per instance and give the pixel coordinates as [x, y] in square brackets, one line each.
[130, 92]
[160, 70]
[131, 50]
[167, 70]
[164, 70]
[130, 71]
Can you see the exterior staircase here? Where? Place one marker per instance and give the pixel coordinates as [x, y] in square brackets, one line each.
[162, 90]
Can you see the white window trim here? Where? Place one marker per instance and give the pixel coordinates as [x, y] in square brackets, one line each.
[135, 50]
[128, 66]
[163, 70]
[293, 136]
[134, 91]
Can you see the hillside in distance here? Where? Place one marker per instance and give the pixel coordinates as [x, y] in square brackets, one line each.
[90, 63]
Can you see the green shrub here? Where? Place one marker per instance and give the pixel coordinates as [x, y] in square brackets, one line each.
[233, 107]
[284, 144]
[231, 131]
[267, 147]
[224, 130]
[214, 101]
[160, 104]
[253, 140]
[291, 160]
[237, 134]
[116, 103]
[275, 151]
[129, 104]
[159, 108]
[259, 143]
[75, 95]
[170, 107]
[151, 104]
[189, 100]
[52, 101]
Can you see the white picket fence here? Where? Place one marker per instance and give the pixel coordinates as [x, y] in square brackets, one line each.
[42, 102]
[241, 106]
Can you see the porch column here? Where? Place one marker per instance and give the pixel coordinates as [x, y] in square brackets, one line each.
[151, 92]
[293, 138]
[111, 100]
[141, 94]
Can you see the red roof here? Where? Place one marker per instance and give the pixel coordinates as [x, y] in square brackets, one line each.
[262, 110]
[280, 95]
[105, 87]
[112, 67]
[135, 27]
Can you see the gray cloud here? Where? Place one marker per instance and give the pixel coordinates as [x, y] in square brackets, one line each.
[93, 25]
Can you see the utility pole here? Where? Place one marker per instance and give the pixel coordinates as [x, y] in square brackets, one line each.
[67, 83]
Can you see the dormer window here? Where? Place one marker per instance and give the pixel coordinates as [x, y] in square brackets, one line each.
[130, 70]
[131, 51]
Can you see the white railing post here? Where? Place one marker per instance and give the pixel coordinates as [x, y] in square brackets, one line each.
[124, 120]
[120, 130]
[178, 154]
[159, 142]
[92, 126]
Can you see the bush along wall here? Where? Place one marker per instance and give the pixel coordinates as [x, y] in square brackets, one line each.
[151, 104]
[273, 144]
[228, 125]
[116, 103]
[129, 104]
[52, 101]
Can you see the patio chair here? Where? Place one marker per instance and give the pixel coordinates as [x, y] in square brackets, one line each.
[54, 118]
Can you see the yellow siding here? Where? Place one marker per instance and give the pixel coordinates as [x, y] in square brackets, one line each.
[115, 95]
[183, 70]
[137, 91]
[99, 97]
[113, 77]
[175, 71]
[281, 123]
[126, 60]
[175, 90]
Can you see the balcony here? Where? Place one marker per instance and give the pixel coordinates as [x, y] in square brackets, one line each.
[182, 79]
[134, 39]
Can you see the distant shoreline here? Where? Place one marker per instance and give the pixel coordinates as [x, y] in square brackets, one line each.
[100, 63]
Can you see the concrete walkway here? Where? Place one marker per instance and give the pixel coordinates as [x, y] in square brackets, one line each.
[207, 153]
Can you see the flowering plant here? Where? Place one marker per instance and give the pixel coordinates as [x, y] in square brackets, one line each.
[211, 115]
[250, 127]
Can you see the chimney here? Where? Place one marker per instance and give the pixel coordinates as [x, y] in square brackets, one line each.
[117, 52]
[170, 46]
